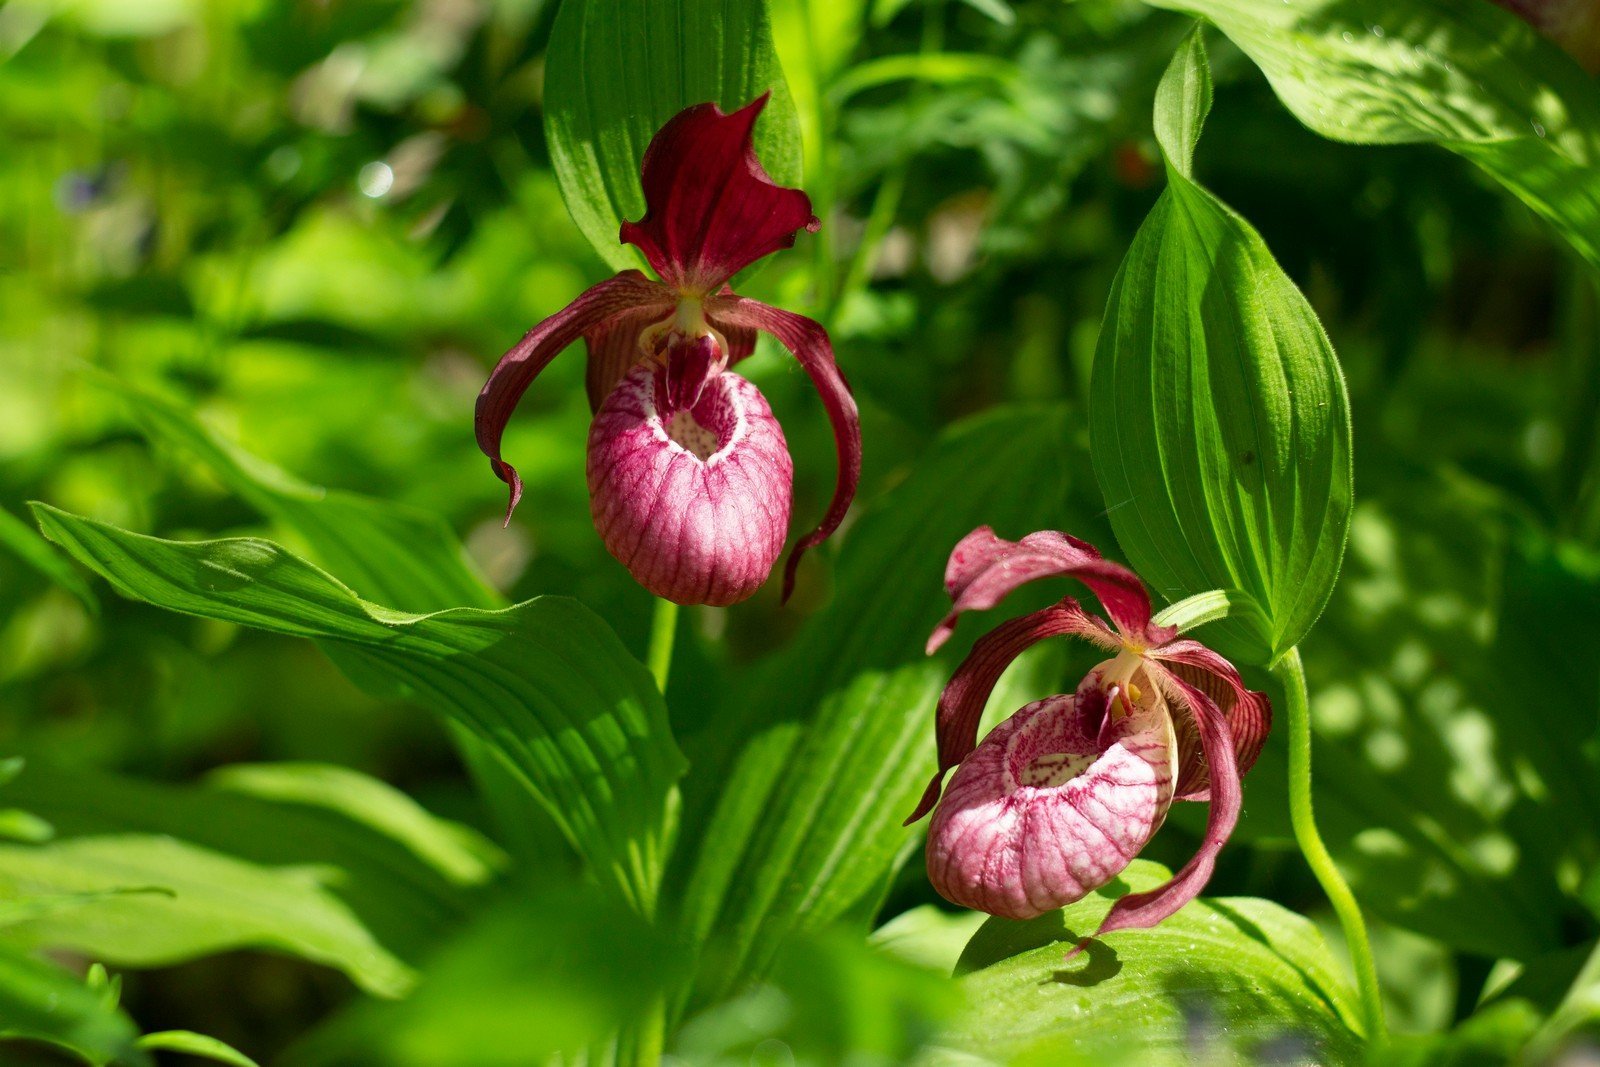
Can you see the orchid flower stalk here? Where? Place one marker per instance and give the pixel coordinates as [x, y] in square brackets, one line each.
[690, 478]
[1059, 798]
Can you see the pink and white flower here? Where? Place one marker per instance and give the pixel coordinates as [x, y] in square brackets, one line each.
[1060, 797]
[689, 474]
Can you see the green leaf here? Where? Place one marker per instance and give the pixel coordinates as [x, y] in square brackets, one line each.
[1219, 423]
[455, 851]
[1219, 980]
[830, 999]
[1470, 77]
[835, 736]
[1450, 815]
[619, 69]
[192, 1044]
[40, 1002]
[405, 895]
[388, 553]
[540, 973]
[33, 550]
[208, 902]
[545, 684]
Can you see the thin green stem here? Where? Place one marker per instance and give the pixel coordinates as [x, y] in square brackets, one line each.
[663, 629]
[1291, 672]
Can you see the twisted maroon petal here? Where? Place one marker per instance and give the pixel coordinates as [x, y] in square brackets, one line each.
[711, 208]
[984, 568]
[1248, 713]
[628, 291]
[809, 343]
[1144, 910]
[691, 363]
[961, 703]
[614, 349]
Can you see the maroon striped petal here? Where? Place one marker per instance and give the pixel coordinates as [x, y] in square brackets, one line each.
[711, 210]
[984, 568]
[1248, 713]
[614, 349]
[961, 703]
[1144, 910]
[809, 343]
[629, 291]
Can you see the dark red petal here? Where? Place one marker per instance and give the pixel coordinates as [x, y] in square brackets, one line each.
[809, 343]
[614, 349]
[984, 568]
[521, 365]
[1144, 910]
[711, 210]
[961, 703]
[691, 363]
[1248, 713]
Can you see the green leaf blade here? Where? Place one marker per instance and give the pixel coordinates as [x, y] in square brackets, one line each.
[1233, 974]
[619, 69]
[1219, 420]
[1470, 77]
[545, 683]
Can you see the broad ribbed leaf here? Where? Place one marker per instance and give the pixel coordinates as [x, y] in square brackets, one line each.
[387, 553]
[1223, 980]
[42, 1002]
[1219, 422]
[406, 875]
[189, 902]
[1469, 76]
[546, 684]
[836, 736]
[619, 69]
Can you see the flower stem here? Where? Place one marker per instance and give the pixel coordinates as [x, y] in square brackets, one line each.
[1291, 672]
[663, 629]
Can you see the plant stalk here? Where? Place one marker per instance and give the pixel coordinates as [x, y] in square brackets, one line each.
[1291, 672]
[663, 629]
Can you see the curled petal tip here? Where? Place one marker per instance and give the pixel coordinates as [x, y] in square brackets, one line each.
[985, 568]
[941, 634]
[930, 797]
[513, 480]
[1076, 950]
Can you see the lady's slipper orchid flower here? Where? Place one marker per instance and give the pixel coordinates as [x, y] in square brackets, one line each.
[1060, 797]
[689, 475]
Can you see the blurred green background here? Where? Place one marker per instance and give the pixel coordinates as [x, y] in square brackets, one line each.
[317, 223]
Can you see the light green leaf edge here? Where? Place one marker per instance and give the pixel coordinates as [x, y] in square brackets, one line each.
[192, 1044]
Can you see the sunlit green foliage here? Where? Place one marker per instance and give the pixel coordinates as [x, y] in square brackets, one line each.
[335, 769]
